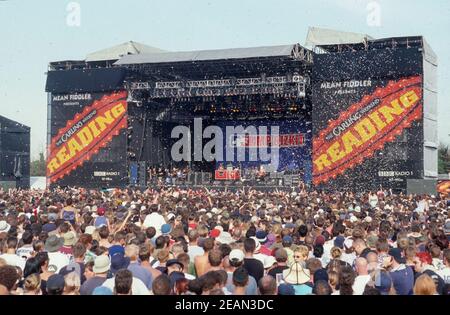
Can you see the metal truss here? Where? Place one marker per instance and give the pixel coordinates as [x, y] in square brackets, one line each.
[294, 85]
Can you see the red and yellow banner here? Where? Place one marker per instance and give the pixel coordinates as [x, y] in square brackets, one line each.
[86, 134]
[366, 127]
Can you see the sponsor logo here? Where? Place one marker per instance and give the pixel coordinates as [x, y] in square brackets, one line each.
[395, 173]
[366, 127]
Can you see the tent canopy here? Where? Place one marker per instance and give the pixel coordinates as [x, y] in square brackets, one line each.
[210, 55]
[321, 36]
[116, 52]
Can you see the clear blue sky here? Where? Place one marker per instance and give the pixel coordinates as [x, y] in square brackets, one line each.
[33, 33]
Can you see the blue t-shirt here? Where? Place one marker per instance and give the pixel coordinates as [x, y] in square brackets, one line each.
[403, 280]
[302, 289]
[99, 221]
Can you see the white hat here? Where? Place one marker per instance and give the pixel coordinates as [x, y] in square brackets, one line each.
[202, 210]
[224, 238]
[236, 254]
[133, 206]
[357, 209]
[143, 208]
[101, 264]
[269, 261]
[215, 210]
[368, 219]
[353, 219]
[170, 216]
[4, 226]
[254, 219]
[89, 229]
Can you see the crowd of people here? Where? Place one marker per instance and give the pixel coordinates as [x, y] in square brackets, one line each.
[173, 241]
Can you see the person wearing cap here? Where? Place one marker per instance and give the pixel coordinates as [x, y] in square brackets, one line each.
[286, 289]
[102, 265]
[286, 243]
[402, 275]
[101, 220]
[55, 285]
[67, 247]
[236, 260]
[50, 226]
[57, 260]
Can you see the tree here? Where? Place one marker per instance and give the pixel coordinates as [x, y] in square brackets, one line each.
[38, 167]
[443, 159]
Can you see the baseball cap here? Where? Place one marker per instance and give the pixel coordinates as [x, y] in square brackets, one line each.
[55, 282]
[236, 254]
[396, 253]
[321, 274]
[339, 241]
[287, 239]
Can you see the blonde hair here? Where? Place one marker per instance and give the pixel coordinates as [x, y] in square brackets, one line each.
[72, 284]
[132, 251]
[425, 286]
[303, 250]
[336, 252]
[2, 262]
[333, 278]
[32, 284]
[277, 228]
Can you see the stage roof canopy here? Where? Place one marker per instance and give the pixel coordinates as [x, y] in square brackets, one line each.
[116, 52]
[211, 55]
[321, 36]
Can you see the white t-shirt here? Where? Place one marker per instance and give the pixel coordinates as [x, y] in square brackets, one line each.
[58, 260]
[360, 284]
[137, 286]
[154, 220]
[445, 274]
[14, 260]
[348, 258]
[194, 250]
[25, 251]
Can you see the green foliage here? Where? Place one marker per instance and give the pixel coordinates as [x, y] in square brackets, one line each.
[443, 159]
[37, 167]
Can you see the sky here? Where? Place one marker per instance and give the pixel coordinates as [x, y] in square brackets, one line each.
[34, 33]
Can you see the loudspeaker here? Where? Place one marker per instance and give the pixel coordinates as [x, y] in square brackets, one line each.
[142, 174]
[133, 173]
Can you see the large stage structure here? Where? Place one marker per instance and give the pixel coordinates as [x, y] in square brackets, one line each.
[14, 154]
[350, 116]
